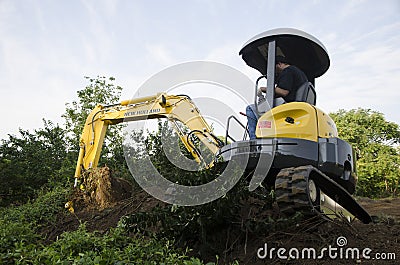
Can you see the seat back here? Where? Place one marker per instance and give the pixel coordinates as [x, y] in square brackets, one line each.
[306, 93]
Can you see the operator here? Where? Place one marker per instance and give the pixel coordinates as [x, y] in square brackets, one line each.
[289, 79]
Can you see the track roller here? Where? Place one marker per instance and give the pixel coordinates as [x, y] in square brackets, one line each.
[306, 189]
[296, 192]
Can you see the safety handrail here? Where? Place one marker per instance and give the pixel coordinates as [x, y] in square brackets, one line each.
[246, 131]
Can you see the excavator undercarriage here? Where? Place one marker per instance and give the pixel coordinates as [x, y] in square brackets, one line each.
[308, 190]
[299, 185]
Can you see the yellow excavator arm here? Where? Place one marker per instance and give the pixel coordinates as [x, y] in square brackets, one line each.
[174, 108]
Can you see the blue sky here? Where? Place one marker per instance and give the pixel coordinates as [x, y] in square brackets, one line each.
[47, 47]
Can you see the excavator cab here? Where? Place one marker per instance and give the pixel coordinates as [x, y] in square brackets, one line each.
[299, 48]
[297, 151]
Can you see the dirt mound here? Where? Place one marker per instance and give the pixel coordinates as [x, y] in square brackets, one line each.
[101, 190]
[102, 203]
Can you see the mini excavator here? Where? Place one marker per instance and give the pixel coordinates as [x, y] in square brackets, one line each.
[297, 151]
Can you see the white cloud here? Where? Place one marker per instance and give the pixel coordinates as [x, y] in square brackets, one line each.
[160, 55]
[7, 9]
[365, 73]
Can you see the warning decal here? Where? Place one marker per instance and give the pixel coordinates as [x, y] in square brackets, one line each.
[264, 124]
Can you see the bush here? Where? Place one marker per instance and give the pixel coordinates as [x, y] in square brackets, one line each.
[29, 162]
[17, 240]
[40, 212]
[115, 247]
[21, 243]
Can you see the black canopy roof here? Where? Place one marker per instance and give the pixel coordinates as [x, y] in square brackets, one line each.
[300, 49]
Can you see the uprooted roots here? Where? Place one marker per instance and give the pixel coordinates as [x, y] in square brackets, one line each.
[101, 190]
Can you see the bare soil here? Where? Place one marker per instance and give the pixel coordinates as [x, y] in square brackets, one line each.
[107, 199]
[382, 237]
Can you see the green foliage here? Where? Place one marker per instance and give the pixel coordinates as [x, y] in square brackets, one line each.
[19, 226]
[374, 140]
[21, 243]
[115, 247]
[164, 148]
[100, 90]
[30, 161]
[40, 212]
[16, 240]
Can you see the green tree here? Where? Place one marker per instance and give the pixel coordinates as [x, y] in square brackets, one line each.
[374, 140]
[30, 161]
[100, 90]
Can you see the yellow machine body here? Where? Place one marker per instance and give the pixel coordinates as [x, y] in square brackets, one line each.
[297, 120]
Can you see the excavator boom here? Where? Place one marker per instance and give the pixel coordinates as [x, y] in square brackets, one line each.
[174, 108]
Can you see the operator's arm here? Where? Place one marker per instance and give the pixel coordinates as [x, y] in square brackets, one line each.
[279, 92]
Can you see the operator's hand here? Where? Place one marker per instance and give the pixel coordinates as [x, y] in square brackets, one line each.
[259, 92]
[260, 95]
[261, 100]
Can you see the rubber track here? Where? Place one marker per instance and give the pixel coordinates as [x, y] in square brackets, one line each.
[292, 193]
